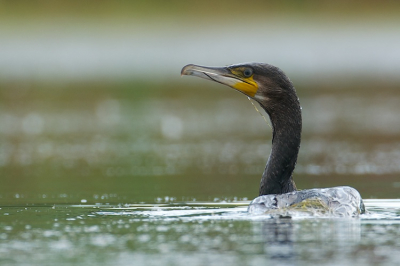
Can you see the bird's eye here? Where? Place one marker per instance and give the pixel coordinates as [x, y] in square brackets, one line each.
[248, 72]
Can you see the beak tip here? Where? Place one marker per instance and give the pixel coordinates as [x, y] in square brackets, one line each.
[186, 70]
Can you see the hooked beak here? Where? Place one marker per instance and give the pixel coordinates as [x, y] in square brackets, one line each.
[224, 76]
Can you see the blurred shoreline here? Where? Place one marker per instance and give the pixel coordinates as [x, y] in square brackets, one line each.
[306, 50]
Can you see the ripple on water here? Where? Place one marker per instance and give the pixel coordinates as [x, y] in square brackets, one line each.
[382, 210]
[195, 232]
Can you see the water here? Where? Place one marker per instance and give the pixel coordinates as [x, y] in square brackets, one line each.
[104, 173]
[199, 233]
[93, 140]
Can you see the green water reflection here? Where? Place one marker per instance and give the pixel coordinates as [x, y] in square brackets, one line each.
[199, 234]
[106, 146]
[136, 142]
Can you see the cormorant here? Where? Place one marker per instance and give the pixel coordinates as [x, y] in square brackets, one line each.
[272, 89]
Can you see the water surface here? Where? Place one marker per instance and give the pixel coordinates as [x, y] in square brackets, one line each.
[199, 233]
[99, 174]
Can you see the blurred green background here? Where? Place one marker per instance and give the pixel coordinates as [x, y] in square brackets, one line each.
[93, 108]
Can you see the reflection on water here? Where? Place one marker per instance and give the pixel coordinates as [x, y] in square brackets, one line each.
[109, 151]
[206, 232]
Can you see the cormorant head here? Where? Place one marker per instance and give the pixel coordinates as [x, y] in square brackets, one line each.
[264, 83]
[272, 89]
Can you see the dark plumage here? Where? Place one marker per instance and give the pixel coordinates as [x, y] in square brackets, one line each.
[273, 90]
[283, 107]
[275, 93]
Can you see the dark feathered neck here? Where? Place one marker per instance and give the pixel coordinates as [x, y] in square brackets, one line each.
[285, 116]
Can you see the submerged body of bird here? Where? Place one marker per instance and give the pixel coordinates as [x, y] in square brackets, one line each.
[336, 201]
[272, 89]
